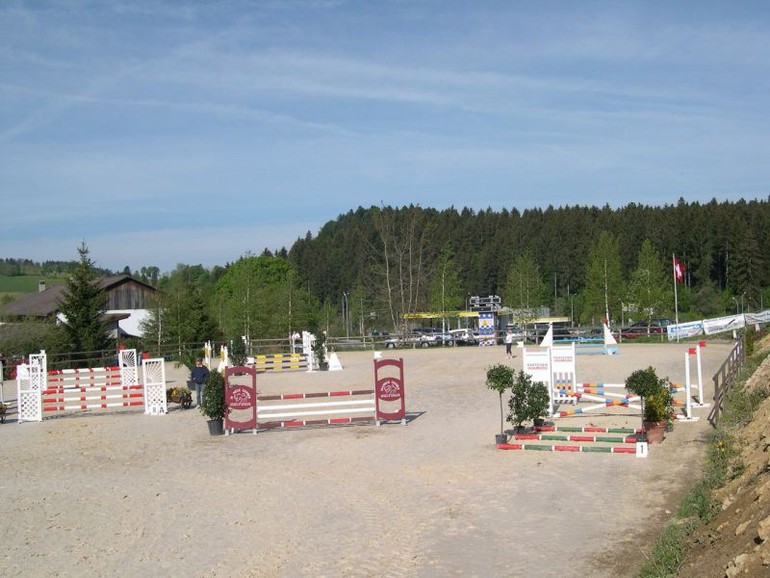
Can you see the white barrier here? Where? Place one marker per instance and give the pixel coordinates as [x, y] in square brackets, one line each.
[93, 388]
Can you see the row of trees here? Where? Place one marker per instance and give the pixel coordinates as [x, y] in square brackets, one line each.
[13, 267]
[368, 268]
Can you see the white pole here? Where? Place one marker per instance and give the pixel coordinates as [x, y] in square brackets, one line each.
[688, 401]
[700, 375]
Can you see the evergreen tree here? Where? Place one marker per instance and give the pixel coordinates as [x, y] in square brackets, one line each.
[83, 304]
[749, 265]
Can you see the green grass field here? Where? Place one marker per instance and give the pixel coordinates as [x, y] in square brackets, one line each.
[20, 284]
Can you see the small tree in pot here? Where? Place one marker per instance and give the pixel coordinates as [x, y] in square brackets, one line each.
[529, 401]
[213, 404]
[538, 403]
[657, 402]
[500, 379]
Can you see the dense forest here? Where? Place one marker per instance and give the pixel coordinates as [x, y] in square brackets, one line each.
[399, 250]
[367, 268]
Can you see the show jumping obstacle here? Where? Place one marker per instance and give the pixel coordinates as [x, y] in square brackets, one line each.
[250, 411]
[279, 362]
[639, 450]
[73, 389]
[555, 366]
[354, 406]
[58, 392]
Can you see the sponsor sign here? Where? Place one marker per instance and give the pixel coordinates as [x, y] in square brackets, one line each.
[758, 317]
[487, 328]
[720, 324]
[683, 330]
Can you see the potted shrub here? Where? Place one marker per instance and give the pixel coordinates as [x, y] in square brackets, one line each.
[529, 401]
[319, 351]
[538, 403]
[213, 402]
[657, 402]
[500, 379]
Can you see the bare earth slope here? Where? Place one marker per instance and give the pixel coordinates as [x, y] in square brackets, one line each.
[737, 541]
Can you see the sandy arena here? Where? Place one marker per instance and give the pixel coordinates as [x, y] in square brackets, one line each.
[125, 494]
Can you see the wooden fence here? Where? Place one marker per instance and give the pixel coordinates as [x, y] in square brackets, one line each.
[725, 378]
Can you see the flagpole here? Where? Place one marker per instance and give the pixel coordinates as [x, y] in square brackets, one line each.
[676, 296]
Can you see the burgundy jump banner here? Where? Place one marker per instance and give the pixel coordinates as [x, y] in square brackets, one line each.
[389, 390]
[241, 399]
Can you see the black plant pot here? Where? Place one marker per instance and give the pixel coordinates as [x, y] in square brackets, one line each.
[323, 366]
[501, 439]
[216, 427]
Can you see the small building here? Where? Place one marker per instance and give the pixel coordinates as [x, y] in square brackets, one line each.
[127, 303]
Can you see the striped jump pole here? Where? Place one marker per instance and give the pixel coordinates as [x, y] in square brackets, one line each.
[279, 362]
[632, 439]
[597, 392]
[589, 429]
[600, 385]
[85, 376]
[582, 410]
[640, 450]
[130, 396]
[89, 388]
[337, 412]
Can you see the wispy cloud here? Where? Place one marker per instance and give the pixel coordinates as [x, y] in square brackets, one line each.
[131, 120]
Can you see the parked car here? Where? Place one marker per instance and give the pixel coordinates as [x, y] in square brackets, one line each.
[444, 338]
[641, 329]
[412, 339]
[463, 337]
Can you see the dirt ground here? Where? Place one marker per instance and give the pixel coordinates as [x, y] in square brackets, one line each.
[127, 494]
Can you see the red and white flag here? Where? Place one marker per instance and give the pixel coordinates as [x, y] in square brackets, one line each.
[678, 271]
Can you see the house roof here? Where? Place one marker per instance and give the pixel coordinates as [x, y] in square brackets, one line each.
[45, 303]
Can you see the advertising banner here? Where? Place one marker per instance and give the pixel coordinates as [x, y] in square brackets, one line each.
[683, 330]
[720, 324]
[487, 328]
[758, 317]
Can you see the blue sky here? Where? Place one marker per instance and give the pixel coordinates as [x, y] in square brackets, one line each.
[164, 132]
